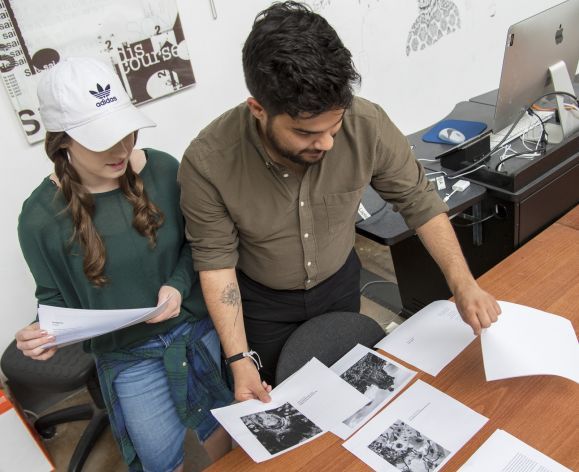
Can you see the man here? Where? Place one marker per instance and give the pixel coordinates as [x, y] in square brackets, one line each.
[270, 192]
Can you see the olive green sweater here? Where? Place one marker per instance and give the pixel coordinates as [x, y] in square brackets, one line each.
[135, 271]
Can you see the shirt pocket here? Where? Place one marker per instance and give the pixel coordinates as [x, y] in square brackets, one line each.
[341, 209]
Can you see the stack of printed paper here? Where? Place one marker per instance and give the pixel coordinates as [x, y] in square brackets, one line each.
[314, 400]
[304, 406]
[71, 325]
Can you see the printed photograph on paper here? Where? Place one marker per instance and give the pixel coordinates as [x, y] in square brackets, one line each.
[280, 428]
[407, 449]
[376, 378]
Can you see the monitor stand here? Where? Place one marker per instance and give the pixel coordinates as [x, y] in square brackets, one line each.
[568, 118]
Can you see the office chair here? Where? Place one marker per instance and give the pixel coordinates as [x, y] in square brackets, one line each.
[68, 370]
[327, 337]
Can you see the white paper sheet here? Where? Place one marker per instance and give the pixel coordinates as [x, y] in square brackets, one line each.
[503, 452]
[71, 325]
[303, 407]
[419, 431]
[431, 338]
[374, 375]
[526, 341]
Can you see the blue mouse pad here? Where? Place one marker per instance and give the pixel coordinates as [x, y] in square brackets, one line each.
[470, 129]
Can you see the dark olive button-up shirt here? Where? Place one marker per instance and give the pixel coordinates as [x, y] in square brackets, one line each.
[287, 232]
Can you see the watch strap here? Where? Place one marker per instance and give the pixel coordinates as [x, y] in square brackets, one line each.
[254, 356]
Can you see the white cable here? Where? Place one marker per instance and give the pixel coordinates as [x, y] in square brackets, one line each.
[524, 143]
[437, 172]
[448, 195]
[522, 156]
[459, 186]
[372, 282]
[465, 173]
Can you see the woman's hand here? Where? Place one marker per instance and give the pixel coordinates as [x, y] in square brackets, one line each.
[173, 307]
[30, 341]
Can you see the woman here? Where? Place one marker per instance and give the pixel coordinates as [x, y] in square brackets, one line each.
[105, 231]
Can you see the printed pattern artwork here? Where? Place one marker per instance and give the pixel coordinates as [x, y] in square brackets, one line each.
[318, 5]
[407, 449]
[280, 428]
[368, 372]
[436, 19]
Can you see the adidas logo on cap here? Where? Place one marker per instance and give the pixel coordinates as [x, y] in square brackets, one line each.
[103, 94]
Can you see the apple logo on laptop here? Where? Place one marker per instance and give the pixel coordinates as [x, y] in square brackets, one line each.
[559, 35]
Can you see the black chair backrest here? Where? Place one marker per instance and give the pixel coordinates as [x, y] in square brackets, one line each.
[69, 369]
[326, 337]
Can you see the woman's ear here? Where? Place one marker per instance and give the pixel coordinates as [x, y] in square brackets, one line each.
[65, 144]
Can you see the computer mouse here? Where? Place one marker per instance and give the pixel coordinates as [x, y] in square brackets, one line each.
[451, 135]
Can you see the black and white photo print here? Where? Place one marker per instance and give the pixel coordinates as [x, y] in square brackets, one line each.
[407, 449]
[376, 378]
[280, 428]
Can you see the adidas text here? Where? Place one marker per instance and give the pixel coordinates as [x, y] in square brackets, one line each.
[104, 101]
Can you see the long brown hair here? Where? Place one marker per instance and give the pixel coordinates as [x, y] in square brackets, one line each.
[147, 217]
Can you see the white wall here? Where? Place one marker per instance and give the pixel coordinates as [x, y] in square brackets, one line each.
[416, 90]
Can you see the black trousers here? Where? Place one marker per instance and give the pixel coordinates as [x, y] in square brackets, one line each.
[271, 316]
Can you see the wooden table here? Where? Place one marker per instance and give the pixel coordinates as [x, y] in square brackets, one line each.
[571, 219]
[542, 411]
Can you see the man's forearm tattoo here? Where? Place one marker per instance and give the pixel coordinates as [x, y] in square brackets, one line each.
[231, 296]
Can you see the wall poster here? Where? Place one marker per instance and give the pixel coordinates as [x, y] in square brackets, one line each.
[142, 39]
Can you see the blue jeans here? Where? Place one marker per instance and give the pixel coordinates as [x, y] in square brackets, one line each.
[148, 409]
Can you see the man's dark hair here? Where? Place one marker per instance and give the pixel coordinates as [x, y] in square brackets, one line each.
[294, 62]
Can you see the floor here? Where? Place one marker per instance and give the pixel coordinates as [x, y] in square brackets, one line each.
[105, 455]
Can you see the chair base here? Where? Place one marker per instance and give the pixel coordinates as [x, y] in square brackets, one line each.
[99, 420]
[45, 424]
[89, 437]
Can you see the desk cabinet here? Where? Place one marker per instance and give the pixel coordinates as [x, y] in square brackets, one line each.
[538, 210]
[419, 279]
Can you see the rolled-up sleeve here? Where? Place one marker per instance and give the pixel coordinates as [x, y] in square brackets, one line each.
[209, 227]
[400, 179]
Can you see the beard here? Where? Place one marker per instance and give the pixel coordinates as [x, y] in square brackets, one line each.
[298, 157]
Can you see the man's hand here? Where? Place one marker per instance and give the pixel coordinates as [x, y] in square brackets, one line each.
[30, 341]
[477, 308]
[173, 307]
[247, 383]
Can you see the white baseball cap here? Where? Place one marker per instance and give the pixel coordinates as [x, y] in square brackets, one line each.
[85, 98]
